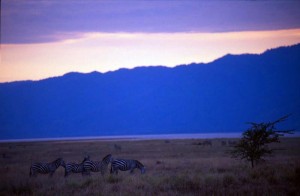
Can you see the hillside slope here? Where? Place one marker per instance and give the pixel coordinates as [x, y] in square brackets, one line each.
[216, 97]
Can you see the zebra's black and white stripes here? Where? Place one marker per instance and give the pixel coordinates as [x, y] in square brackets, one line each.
[96, 166]
[87, 166]
[124, 165]
[46, 168]
[75, 167]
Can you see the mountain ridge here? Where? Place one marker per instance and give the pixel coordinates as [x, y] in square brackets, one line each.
[219, 96]
[153, 66]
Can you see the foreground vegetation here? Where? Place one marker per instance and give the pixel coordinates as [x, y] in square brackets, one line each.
[173, 167]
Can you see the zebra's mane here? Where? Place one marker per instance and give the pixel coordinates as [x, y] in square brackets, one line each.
[107, 158]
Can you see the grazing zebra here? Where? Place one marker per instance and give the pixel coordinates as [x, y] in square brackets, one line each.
[96, 166]
[232, 143]
[124, 165]
[46, 168]
[75, 167]
[207, 143]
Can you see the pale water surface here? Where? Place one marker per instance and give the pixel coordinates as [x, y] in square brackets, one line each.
[142, 137]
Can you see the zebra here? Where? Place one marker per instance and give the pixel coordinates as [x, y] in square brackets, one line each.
[46, 168]
[96, 166]
[75, 167]
[124, 165]
[207, 143]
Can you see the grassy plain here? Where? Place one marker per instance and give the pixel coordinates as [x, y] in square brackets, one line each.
[173, 167]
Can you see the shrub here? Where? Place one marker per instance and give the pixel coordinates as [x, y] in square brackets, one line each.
[254, 143]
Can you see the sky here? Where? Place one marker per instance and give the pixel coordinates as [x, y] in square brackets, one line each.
[46, 38]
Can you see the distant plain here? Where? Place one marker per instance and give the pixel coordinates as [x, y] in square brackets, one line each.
[173, 167]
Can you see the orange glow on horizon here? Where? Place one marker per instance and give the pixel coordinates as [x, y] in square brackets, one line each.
[86, 52]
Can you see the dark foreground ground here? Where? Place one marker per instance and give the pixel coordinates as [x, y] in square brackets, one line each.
[173, 167]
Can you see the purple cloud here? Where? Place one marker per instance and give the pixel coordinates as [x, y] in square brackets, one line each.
[41, 21]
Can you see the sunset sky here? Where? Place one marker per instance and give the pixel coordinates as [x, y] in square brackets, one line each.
[47, 38]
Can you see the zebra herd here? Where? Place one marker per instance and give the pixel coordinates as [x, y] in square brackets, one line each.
[87, 166]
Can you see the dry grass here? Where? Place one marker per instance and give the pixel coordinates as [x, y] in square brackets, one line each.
[173, 167]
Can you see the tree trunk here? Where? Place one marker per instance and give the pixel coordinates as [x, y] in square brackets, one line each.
[252, 163]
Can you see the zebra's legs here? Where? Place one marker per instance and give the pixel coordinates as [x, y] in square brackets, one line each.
[30, 172]
[112, 171]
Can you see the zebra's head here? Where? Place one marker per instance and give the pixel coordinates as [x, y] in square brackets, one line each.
[60, 162]
[86, 158]
[107, 159]
[141, 167]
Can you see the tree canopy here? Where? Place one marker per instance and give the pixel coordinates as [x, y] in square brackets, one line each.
[254, 142]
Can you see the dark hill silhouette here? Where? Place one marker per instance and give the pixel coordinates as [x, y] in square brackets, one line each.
[216, 97]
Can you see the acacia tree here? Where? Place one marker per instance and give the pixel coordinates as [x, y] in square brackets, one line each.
[254, 142]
